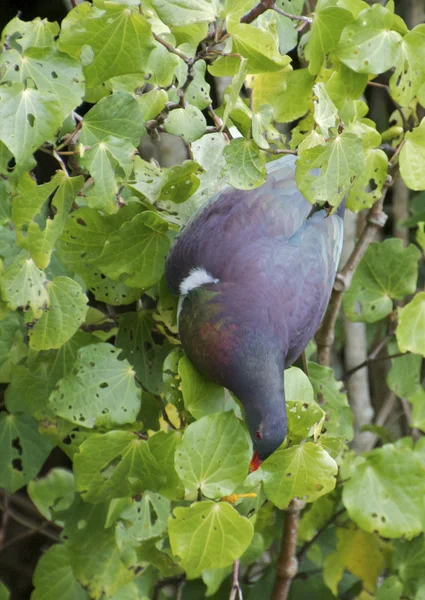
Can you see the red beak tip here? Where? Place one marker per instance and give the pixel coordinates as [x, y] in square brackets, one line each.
[255, 462]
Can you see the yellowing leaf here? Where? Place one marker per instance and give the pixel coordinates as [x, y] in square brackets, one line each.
[410, 330]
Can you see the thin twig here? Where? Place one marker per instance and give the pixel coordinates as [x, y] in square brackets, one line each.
[374, 359]
[287, 563]
[290, 16]
[30, 524]
[325, 336]
[236, 591]
[4, 520]
[173, 50]
[301, 553]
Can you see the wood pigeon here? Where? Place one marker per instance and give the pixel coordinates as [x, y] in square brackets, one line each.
[255, 270]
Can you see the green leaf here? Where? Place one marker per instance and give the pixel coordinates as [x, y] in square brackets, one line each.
[213, 456]
[24, 285]
[142, 520]
[53, 493]
[412, 156]
[51, 71]
[117, 116]
[410, 332]
[208, 535]
[35, 232]
[152, 103]
[184, 12]
[408, 562]
[161, 64]
[245, 167]
[344, 85]
[231, 95]
[100, 390]
[392, 481]
[325, 111]
[289, 94]
[29, 117]
[162, 447]
[304, 415]
[38, 32]
[305, 471]
[188, 123]
[138, 250]
[54, 578]
[201, 397]
[340, 161]
[198, 92]
[116, 464]
[370, 44]
[110, 41]
[408, 75]
[328, 23]
[259, 46]
[367, 188]
[391, 589]
[315, 517]
[417, 399]
[66, 313]
[12, 346]
[22, 448]
[4, 592]
[261, 122]
[387, 271]
[332, 398]
[403, 378]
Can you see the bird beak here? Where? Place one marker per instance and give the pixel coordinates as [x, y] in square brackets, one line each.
[255, 462]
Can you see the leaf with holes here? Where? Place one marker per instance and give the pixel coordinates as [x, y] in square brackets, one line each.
[100, 391]
[213, 456]
[37, 232]
[54, 578]
[392, 481]
[23, 450]
[114, 465]
[38, 32]
[51, 71]
[326, 173]
[208, 535]
[387, 271]
[111, 41]
[305, 417]
[410, 332]
[408, 75]
[24, 285]
[66, 313]
[245, 167]
[305, 471]
[143, 520]
[367, 188]
[53, 493]
[29, 117]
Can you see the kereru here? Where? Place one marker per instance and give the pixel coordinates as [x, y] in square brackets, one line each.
[255, 271]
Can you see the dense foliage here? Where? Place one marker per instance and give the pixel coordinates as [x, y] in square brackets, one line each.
[159, 492]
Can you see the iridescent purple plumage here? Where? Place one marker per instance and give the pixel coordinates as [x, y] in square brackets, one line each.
[273, 270]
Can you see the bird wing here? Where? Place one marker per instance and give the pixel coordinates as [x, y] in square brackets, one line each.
[222, 226]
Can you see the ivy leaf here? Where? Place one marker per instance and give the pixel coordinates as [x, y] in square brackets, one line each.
[143, 520]
[213, 456]
[392, 483]
[387, 270]
[208, 535]
[358, 552]
[345, 84]
[184, 12]
[12, 347]
[66, 313]
[305, 471]
[370, 44]
[412, 156]
[53, 493]
[153, 102]
[200, 397]
[188, 123]
[410, 332]
[38, 32]
[162, 447]
[51, 71]
[22, 448]
[24, 285]
[53, 577]
[116, 116]
[29, 118]
[36, 234]
[302, 411]
[138, 250]
[110, 41]
[333, 399]
[408, 75]
[259, 46]
[328, 23]
[245, 167]
[116, 464]
[340, 161]
[100, 390]
[403, 378]
[367, 188]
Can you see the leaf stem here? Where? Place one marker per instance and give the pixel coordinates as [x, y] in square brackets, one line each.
[306, 547]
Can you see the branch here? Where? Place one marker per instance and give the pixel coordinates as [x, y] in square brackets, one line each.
[325, 336]
[32, 525]
[250, 16]
[287, 563]
[293, 17]
[319, 532]
[371, 359]
[236, 591]
[170, 48]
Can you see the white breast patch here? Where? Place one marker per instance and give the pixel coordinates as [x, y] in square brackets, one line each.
[195, 279]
